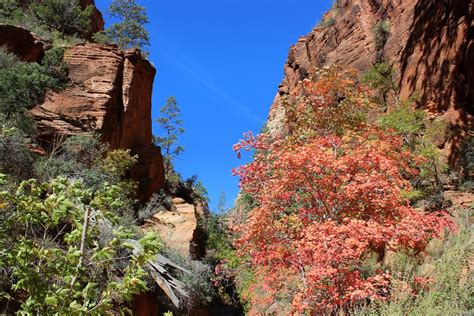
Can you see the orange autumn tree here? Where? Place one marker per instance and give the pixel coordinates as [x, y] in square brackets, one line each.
[329, 195]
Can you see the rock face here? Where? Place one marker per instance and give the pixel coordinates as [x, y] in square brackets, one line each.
[110, 92]
[97, 20]
[26, 45]
[430, 44]
[179, 228]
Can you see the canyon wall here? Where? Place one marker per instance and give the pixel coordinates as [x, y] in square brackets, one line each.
[430, 44]
[109, 92]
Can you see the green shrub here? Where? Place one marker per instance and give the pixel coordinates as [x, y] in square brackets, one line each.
[328, 22]
[21, 87]
[16, 159]
[381, 77]
[24, 85]
[198, 283]
[49, 267]
[218, 244]
[381, 33]
[65, 16]
[101, 38]
[85, 157]
[451, 292]
[406, 122]
[423, 137]
[467, 154]
[7, 59]
[9, 10]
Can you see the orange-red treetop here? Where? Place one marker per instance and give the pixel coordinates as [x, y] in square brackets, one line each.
[328, 197]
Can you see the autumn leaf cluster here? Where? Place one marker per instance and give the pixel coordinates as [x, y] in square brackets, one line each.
[329, 194]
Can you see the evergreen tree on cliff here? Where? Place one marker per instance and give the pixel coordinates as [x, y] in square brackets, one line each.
[171, 123]
[130, 31]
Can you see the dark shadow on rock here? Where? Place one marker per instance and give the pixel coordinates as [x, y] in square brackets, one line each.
[438, 60]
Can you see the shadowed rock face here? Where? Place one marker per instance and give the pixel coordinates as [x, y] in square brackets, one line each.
[26, 45]
[431, 45]
[109, 92]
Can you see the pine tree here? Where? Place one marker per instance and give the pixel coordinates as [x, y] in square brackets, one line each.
[172, 125]
[130, 32]
[222, 205]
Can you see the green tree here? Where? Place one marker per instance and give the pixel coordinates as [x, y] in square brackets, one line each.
[222, 205]
[172, 125]
[130, 31]
[65, 16]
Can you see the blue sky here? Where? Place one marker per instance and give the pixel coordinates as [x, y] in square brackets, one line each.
[223, 61]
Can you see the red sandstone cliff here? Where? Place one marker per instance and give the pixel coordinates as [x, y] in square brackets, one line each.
[431, 45]
[109, 92]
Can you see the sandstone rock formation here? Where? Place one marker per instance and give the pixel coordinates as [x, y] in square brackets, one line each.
[179, 228]
[26, 45]
[431, 45]
[97, 20]
[110, 92]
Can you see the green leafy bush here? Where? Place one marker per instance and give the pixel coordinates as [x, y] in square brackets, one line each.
[65, 16]
[102, 38]
[75, 157]
[406, 121]
[58, 257]
[21, 87]
[381, 77]
[7, 59]
[84, 157]
[218, 244]
[422, 136]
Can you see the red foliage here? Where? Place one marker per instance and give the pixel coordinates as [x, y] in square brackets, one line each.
[324, 206]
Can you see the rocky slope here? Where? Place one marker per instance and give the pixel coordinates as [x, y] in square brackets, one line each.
[430, 44]
[179, 228]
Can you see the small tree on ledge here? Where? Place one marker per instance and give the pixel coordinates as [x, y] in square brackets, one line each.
[172, 125]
